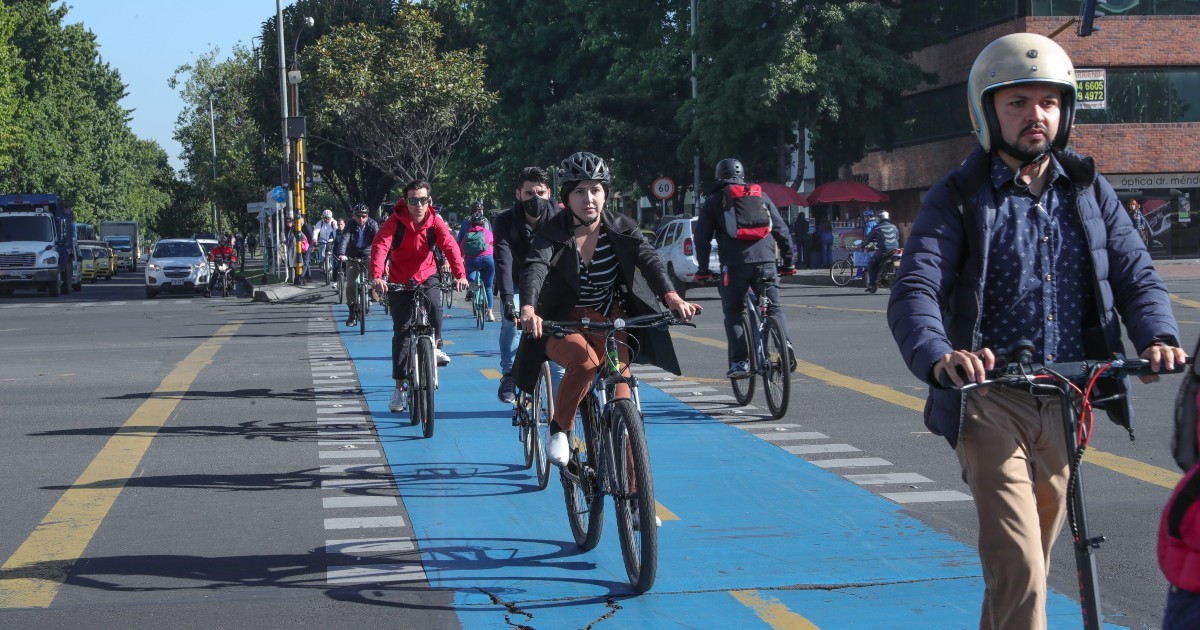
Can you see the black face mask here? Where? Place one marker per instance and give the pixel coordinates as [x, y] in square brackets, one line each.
[536, 207]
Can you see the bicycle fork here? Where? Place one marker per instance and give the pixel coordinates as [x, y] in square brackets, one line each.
[1085, 544]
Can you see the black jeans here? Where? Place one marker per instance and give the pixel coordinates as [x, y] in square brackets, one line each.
[404, 312]
[735, 282]
[874, 264]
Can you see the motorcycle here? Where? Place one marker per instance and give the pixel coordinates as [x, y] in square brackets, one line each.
[223, 276]
[887, 271]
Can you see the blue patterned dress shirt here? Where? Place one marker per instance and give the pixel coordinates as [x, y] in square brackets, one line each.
[1038, 285]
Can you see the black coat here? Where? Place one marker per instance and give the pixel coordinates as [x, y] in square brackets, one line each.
[513, 238]
[550, 282]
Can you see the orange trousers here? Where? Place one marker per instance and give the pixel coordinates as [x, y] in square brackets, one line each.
[581, 355]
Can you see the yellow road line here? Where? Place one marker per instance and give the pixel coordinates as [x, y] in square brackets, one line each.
[1116, 463]
[1185, 301]
[772, 611]
[837, 308]
[37, 569]
[663, 513]
[491, 374]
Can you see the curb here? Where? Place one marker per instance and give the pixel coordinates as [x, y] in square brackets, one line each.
[276, 292]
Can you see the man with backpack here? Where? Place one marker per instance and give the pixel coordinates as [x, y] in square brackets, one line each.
[1027, 243]
[742, 218]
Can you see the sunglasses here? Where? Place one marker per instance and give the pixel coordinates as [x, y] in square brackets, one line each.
[417, 201]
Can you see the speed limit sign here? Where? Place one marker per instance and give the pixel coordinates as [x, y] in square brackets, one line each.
[663, 188]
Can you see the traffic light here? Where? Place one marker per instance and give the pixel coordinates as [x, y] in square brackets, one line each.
[1087, 17]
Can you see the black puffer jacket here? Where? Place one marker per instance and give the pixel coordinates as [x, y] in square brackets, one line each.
[550, 281]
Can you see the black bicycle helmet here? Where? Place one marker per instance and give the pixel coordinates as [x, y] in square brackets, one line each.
[730, 169]
[583, 166]
[361, 209]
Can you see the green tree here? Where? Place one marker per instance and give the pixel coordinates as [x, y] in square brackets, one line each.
[400, 104]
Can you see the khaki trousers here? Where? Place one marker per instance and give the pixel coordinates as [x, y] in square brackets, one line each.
[1014, 459]
[581, 355]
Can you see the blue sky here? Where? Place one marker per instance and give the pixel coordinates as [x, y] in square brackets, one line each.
[146, 40]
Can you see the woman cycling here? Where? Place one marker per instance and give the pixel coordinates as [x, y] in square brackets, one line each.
[583, 263]
[476, 246]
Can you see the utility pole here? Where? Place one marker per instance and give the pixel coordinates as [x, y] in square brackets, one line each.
[212, 125]
[695, 100]
[283, 113]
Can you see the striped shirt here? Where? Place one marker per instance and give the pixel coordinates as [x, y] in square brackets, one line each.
[596, 280]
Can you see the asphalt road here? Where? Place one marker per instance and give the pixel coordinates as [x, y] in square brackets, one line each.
[168, 465]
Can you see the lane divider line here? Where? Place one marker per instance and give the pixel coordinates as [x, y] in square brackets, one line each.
[772, 611]
[491, 374]
[33, 575]
[663, 513]
[1116, 463]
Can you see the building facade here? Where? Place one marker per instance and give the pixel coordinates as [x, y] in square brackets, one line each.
[1142, 127]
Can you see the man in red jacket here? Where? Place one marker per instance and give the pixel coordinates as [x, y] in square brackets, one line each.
[411, 259]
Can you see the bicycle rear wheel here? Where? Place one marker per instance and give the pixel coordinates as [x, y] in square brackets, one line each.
[327, 269]
[480, 305]
[743, 388]
[540, 412]
[633, 494]
[447, 294]
[423, 396]
[776, 374]
[364, 300]
[340, 279]
[585, 504]
[842, 272]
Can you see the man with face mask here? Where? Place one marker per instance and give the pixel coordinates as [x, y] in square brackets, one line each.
[513, 233]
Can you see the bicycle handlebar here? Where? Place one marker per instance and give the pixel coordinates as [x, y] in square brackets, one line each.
[1078, 372]
[423, 288]
[653, 320]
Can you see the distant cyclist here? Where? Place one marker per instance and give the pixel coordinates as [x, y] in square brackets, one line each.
[476, 244]
[747, 254]
[356, 243]
[325, 232]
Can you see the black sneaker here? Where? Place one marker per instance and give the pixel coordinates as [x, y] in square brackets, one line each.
[872, 289]
[508, 389]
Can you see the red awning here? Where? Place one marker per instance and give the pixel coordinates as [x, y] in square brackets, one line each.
[781, 195]
[845, 191]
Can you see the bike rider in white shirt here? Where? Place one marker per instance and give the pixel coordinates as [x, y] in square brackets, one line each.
[326, 232]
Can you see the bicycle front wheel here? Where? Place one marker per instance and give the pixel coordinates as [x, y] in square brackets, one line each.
[842, 272]
[777, 373]
[585, 503]
[327, 269]
[423, 396]
[540, 412]
[364, 300]
[633, 494]
[743, 388]
[447, 294]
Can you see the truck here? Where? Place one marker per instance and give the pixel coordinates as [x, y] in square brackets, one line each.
[37, 245]
[123, 236]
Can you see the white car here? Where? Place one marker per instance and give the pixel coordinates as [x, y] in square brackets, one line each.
[177, 265]
[677, 249]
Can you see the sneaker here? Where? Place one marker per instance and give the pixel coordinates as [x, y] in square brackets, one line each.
[791, 357]
[508, 389]
[334, 286]
[558, 449]
[738, 369]
[491, 317]
[399, 400]
[443, 359]
[872, 289]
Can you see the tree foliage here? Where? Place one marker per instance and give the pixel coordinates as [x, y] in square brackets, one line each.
[64, 130]
[399, 103]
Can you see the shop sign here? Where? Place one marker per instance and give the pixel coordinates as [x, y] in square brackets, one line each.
[1133, 181]
[1093, 88]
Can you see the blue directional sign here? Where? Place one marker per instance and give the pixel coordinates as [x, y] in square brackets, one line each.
[279, 194]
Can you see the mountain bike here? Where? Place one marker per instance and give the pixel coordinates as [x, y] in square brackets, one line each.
[767, 354]
[609, 456]
[362, 292]
[531, 415]
[422, 362]
[1075, 385]
[478, 298]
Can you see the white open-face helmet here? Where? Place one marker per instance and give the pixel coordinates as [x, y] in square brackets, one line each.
[328, 214]
[1017, 59]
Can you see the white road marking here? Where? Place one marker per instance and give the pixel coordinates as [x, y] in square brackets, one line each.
[886, 478]
[359, 502]
[783, 436]
[375, 573]
[364, 522]
[361, 546]
[346, 469]
[807, 449]
[853, 462]
[931, 496]
[344, 454]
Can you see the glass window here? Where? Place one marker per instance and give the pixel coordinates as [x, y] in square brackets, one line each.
[1117, 7]
[961, 16]
[933, 115]
[1148, 96]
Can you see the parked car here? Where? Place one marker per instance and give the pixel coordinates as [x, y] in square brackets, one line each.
[177, 265]
[677, 248]
[87, 263]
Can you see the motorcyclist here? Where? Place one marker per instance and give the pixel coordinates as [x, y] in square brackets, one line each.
[886, 239]
[222, 250]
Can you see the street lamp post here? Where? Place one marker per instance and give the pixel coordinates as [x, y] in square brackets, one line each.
[212, 125]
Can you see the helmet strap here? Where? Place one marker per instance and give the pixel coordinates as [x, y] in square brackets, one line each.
[1031, 161]
[577, 223]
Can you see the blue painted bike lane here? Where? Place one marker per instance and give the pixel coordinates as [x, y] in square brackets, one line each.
[752, 536]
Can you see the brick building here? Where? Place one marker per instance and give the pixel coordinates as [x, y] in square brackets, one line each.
[1145, 139]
